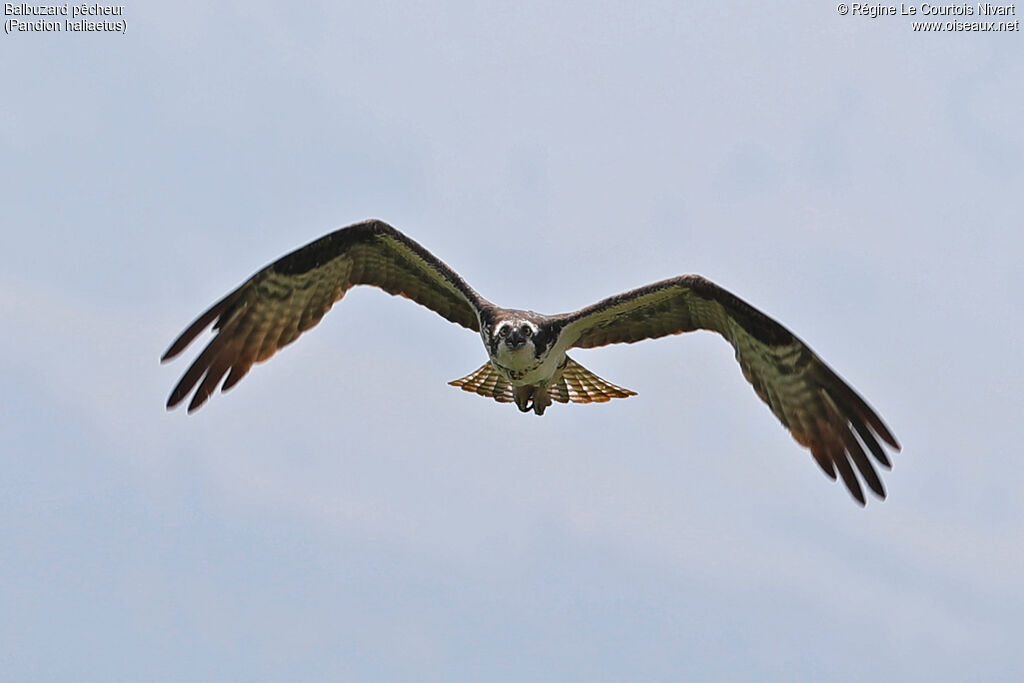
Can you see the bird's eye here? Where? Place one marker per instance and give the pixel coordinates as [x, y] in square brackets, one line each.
[503, 331]
[526, 330]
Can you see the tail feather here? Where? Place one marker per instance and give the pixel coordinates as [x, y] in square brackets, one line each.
[487, 382]
[579, 385]
[574, 383]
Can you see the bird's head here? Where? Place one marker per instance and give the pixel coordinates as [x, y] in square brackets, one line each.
[517, 339]
[514, 334]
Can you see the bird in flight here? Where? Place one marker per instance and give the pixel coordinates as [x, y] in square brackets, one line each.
[526, 351]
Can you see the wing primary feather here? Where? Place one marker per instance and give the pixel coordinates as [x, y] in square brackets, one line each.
[867, 471]
[213, 376]
[194, 373]
[870, 441]
[846, 449]
[846, 472]
[220, 309]
[236, 374]
[856, 405]
[824, 461]
[851, 408]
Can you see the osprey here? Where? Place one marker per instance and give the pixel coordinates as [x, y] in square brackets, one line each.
[526, 351]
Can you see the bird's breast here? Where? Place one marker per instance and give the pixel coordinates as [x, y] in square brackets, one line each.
[521, 367]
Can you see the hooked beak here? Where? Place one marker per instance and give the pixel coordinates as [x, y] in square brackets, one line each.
[514, 340]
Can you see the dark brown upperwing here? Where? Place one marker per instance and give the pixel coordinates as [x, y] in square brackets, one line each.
[819, 409]
[291, 295]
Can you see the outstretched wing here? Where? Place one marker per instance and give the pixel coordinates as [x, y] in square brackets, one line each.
[819, 409]
[280, 302]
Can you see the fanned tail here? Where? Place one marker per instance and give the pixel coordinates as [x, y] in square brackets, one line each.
[579, 385]
[574, 383]
[487, 382]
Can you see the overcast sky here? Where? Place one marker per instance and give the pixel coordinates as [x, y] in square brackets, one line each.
[343, 514]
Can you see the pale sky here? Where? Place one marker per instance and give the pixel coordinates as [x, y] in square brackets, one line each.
[343, 514]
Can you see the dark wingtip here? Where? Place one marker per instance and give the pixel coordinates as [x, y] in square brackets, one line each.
[886, 435]
[218, 310]
[176, 397]
[190, 333]
[879, 491]
[184, 387]
[197, 401]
